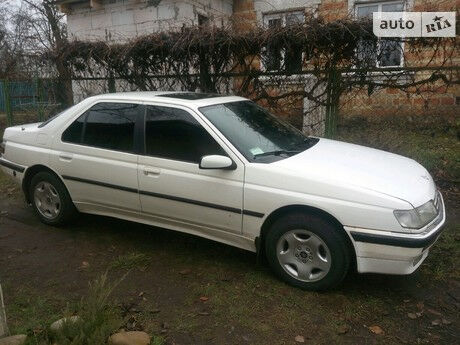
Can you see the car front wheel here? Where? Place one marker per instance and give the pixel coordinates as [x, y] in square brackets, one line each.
[50, 199]
[307, 251]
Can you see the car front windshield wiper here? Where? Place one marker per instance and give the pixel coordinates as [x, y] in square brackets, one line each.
[276, 153]
[306, 143]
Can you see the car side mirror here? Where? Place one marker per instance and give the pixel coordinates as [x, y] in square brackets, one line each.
[217, 162]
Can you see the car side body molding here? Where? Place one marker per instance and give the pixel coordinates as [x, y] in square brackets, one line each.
[165, 196]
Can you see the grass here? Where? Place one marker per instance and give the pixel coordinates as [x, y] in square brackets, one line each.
[29, 313]
[7, 184]
[99, 318]
[435, 146]
[131, 260]
[32, 314]
[445, 255]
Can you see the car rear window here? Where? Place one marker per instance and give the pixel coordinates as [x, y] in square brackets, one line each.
[44, 123]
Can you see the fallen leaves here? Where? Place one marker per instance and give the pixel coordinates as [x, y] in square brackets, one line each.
[376, 330]
[164, 328]
[436, 322]
[414, 316]
[84, 265]
[439, 322]
[299, 339]
[204, 298]
[342, 329]
[434, 312]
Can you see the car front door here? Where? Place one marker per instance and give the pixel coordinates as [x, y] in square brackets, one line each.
[172, 187]
[97, 157]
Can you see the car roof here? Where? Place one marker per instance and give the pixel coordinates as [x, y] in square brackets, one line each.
[186, 98]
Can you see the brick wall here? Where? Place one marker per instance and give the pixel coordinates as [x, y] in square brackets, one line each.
[431, 100]
[434, 100]
[244, 15]
[332, 10]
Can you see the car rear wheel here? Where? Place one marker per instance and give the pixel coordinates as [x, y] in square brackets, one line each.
[307, 251]
[50, 199]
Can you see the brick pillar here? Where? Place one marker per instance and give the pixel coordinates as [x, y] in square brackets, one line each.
[332, 10]
[244, 15]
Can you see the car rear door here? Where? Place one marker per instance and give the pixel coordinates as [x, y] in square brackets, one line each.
[173, 189]
[97, 157]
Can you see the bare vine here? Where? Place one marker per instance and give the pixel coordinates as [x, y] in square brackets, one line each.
[330, 58]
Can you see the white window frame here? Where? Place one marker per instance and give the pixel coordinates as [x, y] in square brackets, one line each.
[266, 17]
[379, 4]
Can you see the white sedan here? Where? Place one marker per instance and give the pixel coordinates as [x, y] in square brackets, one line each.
[225, 169]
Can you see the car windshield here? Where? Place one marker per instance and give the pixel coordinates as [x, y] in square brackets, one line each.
[258, 135]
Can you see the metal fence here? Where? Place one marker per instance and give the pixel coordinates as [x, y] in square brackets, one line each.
[34, 100]
[28, 100]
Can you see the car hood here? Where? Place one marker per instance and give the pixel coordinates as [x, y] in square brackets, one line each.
[379, 171]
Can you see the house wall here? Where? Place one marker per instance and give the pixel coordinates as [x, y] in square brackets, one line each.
[434, 100]
[121, 20]
[430, 100]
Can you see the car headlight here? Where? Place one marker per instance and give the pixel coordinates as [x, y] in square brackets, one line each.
[417, 217]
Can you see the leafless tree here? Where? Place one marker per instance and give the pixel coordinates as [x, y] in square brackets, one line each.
[31, 28]
[12, 43]
[48, 32]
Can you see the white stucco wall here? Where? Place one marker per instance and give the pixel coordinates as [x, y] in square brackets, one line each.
[119, 20]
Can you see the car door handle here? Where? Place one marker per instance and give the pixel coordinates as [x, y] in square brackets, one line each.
[151, 172]
[65, 157]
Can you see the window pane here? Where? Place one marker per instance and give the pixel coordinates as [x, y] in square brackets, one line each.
[366, 11]
[294, 18]
[274, 23]
[293, 59]
[366, 53]
[273, 58]
[174, 134]
[74, 132]
[111, 126]
[390, 52]
[203, 20]
[397, 7]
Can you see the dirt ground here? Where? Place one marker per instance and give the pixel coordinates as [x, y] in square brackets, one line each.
[44, 270]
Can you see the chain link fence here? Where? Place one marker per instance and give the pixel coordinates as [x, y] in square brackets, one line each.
[35, 100]
[24, 101]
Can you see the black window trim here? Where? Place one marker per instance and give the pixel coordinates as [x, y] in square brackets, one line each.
[197, 118]
[137, 142]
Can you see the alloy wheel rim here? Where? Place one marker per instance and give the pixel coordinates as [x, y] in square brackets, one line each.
[47, 200]
[303, 255]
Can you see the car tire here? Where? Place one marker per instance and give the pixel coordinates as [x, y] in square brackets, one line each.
[307, 251]
[50, 199]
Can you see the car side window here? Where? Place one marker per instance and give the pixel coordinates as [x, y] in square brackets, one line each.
[173, 133]
[73, 134]
[106, 125]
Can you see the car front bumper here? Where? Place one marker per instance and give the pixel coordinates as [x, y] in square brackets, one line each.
[395, 253]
